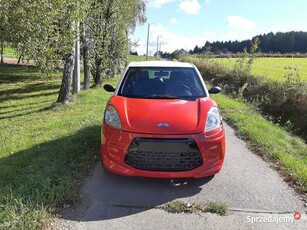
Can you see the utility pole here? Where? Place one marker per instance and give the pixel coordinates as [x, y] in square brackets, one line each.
[157, 44]
[147, 41]
[76, 75]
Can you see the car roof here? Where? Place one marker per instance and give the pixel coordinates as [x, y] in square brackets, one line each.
[160, 64]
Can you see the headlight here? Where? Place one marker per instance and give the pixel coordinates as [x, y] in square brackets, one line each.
[214, 119]
[111, 117]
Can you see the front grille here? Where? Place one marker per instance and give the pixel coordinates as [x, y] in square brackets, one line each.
[163, 154]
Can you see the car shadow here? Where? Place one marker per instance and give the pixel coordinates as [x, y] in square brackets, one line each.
[110, 196]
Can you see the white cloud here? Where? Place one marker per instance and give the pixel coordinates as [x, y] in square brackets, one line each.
[158, 3]
[239, 22]
[173, 21]
[169, 40]
[190, 6]
[207, 1]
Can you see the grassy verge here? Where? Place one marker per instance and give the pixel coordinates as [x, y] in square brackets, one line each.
[45, 150]
[179, 206]
[285, 102]
[287, 152]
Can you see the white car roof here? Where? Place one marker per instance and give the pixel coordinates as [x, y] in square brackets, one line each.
[160, 64]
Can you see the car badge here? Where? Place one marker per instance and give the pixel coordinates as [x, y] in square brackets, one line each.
[163, 124]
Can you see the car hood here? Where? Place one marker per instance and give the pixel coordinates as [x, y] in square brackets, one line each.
[162, 116]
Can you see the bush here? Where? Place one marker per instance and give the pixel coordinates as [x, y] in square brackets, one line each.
[283, 102]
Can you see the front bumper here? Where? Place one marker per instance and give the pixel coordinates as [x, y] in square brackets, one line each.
[116, 144]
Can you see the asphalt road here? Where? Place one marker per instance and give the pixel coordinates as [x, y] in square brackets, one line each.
[252, 190]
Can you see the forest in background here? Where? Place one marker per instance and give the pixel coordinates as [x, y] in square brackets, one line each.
[280, 42]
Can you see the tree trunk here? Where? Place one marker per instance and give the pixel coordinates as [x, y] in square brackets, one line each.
[86, 65]
[87, 69]
[67, 77]
[21, 55]
[19, 59]
[2, 51]
[97, 71]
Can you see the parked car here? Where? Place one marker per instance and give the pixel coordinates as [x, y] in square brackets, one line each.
[161, 122]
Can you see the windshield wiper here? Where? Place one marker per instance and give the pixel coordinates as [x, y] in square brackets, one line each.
[164, 96]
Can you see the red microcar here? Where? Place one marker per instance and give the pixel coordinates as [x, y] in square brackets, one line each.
[161, 122]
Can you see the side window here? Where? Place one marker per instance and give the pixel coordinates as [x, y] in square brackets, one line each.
[128, 84]
[192, 81]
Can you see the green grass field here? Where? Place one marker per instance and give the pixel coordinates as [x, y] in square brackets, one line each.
[273, 68]
[9, 52]
[134, 58]
[46, 150]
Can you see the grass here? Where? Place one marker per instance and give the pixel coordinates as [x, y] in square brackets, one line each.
[9, 52]
[287, 152]
[274, 68]
[216, 207]
[179, 206]
[45, 150]
[134, 58]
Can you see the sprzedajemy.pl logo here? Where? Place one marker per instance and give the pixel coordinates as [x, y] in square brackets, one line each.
[274, 218]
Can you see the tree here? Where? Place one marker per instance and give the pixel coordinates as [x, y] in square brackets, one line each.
[197, 49]
[176, 54]
[4, 25]
[86, 56]
[69, 55]
[279, 42]
[108, 26]
[44, 31]
[40, 30]
[64, 92]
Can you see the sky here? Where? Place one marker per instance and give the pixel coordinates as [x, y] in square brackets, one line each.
[187, 23]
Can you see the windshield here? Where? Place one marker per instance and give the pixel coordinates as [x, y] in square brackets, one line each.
[162, 82]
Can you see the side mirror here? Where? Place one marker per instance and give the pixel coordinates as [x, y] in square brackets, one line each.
[215, 90]
[109, 88]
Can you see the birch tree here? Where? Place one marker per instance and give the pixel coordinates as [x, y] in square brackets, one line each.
[108, 26]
